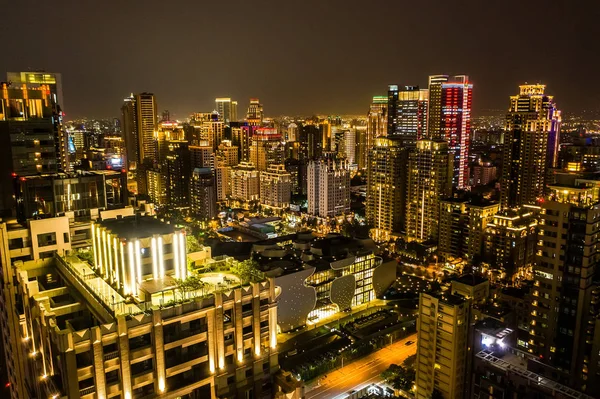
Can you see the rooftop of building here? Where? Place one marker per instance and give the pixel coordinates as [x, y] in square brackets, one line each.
[471, 279]
[493, 327]
[136, 226]
[450, 299]
[76, 174]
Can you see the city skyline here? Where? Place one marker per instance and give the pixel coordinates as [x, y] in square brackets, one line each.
[327, 49]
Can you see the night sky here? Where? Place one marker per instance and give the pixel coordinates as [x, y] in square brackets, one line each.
[301, 57]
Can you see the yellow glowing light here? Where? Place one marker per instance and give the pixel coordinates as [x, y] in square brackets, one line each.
[116, 256]
[161, 258]
[138, 261]
[182, 256]
[154, 259]
[176, 254]
[103, 269]
[123, 265]
[110, 261]
[161, 385]
[94, 245]
[131, 268]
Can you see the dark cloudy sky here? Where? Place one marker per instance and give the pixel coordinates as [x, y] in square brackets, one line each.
[301, 56]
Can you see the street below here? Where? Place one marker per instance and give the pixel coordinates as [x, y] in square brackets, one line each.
[364, 371]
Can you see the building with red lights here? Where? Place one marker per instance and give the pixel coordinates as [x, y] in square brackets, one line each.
[450, 120]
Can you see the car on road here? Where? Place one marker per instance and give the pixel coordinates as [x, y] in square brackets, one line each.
[409, 343]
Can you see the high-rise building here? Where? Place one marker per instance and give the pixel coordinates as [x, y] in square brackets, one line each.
[51, 83]
[223, 181]
[155, 343]
[429, 180]
[313, 136]
[177, 170]
[407, 112]
[228, 153]
[227, 110]
[530, 146]
[203, 194]
[386, 187]
[167, 131]
[326, 137]
[480, 215]
[275, 187]
[241, 137]
[463, 223]
[563, 311]
[255, 114]
[328, 187]
[377, 121]
[442, 340]
[245, 183]
[27, 137]
[157, 186]
[483, 174]
[449, 119]
[267, 148]
[201, 157]
[510, 242]
[139, 123]
[362, 154]
[292, 132]
[453, 227]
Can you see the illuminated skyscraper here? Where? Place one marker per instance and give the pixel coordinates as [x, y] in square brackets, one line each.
[443, 330]
[255, 113]
[228, 153]
[386, 187]
[275, 187]
[139, 123]
[203, 194]
[245, 183]
[241, 137]
[376, 127]
[530, 146]
[449, 119]
[407, 111]
[564, 327]
[27, 137]
[267, 149]
[208, 129]
[177, 167]
[202, 157]
[328, 188]
[362, 153]
[52, 83]
[227, 110]
[429, 180]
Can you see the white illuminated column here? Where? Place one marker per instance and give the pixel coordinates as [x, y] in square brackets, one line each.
[110, 260]
[273, 327]
[176, 254]
[138, 261]
[123, 274]
[131, 267]
[99, 244]
[116, 256]
[161, 258]
[104, 255]
[94, 246]
[182, 256]
[154, 259]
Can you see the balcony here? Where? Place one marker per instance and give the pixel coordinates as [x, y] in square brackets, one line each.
[111, 355]
[87, 391]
